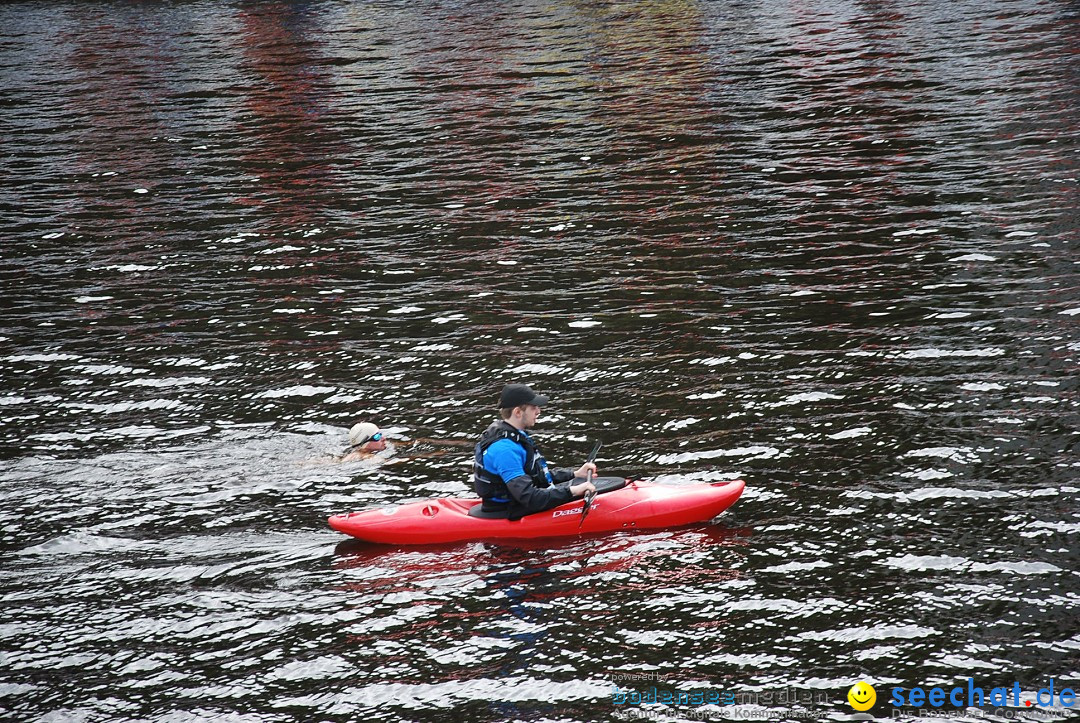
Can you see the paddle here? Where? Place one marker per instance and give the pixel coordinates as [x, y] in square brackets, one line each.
[588, 478]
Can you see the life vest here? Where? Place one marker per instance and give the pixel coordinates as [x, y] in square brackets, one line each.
[491, 487]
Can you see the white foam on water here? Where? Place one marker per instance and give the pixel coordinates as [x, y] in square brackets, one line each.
[981, 387]
[680, 423]
[538, 369]
[946, 353]
[852, 433]
[42, 357]
[957, 454]
[713, 361]
[789, 567]
[748, 452]
[918, 563]
[805, 398]
[928, 475]
[1016, 568]
[865, 633]
[302, 390]
[915, 232]
[279, 250]
[938, 493]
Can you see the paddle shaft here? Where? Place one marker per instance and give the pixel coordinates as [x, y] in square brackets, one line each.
[588, 479]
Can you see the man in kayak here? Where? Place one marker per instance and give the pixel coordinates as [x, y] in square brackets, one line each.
[510, 473]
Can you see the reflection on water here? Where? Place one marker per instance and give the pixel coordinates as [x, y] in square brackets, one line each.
[501, 612]
[825, 248]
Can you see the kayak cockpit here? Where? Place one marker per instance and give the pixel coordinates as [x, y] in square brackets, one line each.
[602, 484]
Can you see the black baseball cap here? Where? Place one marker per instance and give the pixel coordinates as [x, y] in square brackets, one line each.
[514, 395]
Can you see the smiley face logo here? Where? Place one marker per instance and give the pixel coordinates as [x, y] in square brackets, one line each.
[862, 696]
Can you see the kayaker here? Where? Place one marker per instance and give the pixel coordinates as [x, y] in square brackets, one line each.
[510, 473]
[365, 441]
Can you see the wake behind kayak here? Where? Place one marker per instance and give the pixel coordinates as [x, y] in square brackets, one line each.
[637, 505]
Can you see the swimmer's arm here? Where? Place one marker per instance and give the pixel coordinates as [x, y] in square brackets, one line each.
[435, 442]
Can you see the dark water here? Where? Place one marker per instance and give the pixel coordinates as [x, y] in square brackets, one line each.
[826, 247]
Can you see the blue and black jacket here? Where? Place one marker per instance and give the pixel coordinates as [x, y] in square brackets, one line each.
[536, 489]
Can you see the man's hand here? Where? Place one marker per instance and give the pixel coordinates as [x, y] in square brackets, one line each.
[584, 471]
[581, 489]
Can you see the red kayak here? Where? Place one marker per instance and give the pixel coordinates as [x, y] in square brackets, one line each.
[636, 505]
